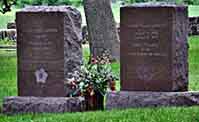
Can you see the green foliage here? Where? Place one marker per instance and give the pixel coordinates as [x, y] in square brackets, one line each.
[94, 76]
[22, 3]
[5, 5]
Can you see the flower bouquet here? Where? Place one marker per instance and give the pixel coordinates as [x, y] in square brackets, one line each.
[93, 81]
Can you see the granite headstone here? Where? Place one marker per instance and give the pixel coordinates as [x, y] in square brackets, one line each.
[48, 48]
[154, 48]
[194, 26]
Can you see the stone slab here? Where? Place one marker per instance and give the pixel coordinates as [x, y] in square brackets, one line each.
[193, 25]
[154, 53]
[11, 25]
[47, 51]
[20, 105]
[125, 99]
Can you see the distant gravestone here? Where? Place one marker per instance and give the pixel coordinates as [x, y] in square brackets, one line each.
[194, 26]
[102, 30]
[9, 34]
[48, 48]
[11, 25]
[154, 48]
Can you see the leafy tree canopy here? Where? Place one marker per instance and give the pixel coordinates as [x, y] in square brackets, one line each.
[5, 5]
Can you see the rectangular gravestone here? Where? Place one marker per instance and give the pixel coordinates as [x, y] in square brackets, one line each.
[194, 26]
[154, 47]
[48, 48]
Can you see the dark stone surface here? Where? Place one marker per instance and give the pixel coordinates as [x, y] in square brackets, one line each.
[102, 30]
[85, 34]
[154, 48]
[1, 110]
[125, 99]
[8, 34]
[20, 105]
[11, 25]
[193, 25]
[47, 50]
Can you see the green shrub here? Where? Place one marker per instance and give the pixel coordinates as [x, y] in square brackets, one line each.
[22, 3]
[192, 2]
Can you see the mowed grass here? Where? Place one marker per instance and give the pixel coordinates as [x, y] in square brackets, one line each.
[8, 84]
[194, 63]
[7, 17]
[131, 115]
[193, 11]
[8, 87]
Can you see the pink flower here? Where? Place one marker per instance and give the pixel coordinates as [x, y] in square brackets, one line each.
[93, 61]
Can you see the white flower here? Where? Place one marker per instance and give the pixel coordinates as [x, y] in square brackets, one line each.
[81, 84]
[71, 79]
[81, 98]
[97, 81]
[76, 73]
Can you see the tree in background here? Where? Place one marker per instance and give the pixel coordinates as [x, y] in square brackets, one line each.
[5, 5]
[22, 3]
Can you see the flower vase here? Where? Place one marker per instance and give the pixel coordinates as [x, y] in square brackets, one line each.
[94, 102]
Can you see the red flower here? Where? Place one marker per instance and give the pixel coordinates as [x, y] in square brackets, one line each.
[73, 84]
[90, 90]
[93, 61]
[112, 85]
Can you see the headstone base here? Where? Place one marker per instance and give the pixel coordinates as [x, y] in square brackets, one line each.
[124, 99]
[20, 105]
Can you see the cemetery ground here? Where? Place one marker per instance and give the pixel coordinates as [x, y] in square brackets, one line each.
[8, 87]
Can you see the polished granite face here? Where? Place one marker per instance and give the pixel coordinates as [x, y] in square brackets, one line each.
[150, 42]
[40, 54]
[48, 48]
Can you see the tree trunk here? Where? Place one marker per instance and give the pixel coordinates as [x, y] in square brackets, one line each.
[103, 35]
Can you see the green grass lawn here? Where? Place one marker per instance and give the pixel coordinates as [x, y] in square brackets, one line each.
[193, 11]
[194, 63]
[131, 115]
[8, 87]
[8, 17]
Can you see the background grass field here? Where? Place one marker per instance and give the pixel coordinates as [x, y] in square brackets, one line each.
[8, 87]
[131, 115]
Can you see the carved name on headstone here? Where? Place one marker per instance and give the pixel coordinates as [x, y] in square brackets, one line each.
[154, 47]
[48, 48]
